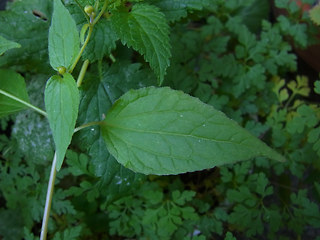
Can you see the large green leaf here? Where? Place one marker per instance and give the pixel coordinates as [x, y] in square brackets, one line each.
[62, 102]
[145, 29]
[163, 131]
[64, 40]
[97, 98]
[6, 44]
[14, 84]
[18, 23]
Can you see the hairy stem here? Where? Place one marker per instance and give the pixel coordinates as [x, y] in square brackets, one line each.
[24, 103]
[47, 208]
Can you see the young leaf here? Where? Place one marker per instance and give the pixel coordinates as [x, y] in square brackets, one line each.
[145, 29]
[62, 102]
[162, 131]
[7, 44]
[14, 84]
[64, 40]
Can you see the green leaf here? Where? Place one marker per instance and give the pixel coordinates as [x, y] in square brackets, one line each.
[71, 233]
[64, 40]
[18, 23]
[175, 10]
[317, 87]
[62, 102]
[305, 212]
[103, 41]
[145, 29]
[10, 224]
[315, 14]
[14, 84]
[7, 44]
[229, 236]
[31, 130]
[97, 98]
[297, 31]
[162, 131]
[314, 137]
[254, 14]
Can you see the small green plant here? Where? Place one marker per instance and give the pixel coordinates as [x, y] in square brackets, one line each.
[110, 126]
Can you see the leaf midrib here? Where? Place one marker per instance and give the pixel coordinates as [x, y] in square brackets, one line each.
[110, 126]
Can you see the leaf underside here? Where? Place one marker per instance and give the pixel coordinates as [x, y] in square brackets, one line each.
[163, 131]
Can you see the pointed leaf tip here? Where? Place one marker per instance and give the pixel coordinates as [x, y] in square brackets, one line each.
[64, 39]
[163, 131]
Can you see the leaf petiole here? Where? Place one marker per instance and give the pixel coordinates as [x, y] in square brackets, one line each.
[105, 5]
[82, 72]
[24, 103]
[87, 125]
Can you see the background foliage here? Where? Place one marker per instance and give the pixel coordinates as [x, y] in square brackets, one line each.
[231, 55]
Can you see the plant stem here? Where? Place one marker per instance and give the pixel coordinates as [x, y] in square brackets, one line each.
[290, 100]
[91, 24]
[86, 125]
[82, 72]
[24, 103]
[47, 208]
[113, 59]
[82, 48]
[105, 5]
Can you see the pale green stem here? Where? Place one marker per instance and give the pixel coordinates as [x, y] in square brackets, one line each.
[113, 59]
[46, 214]
[105, 5]
[82, 48]
[82, 72]
[91, 24]
[86, 125]
[24, 103]
[96, 4]
[290, 100]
